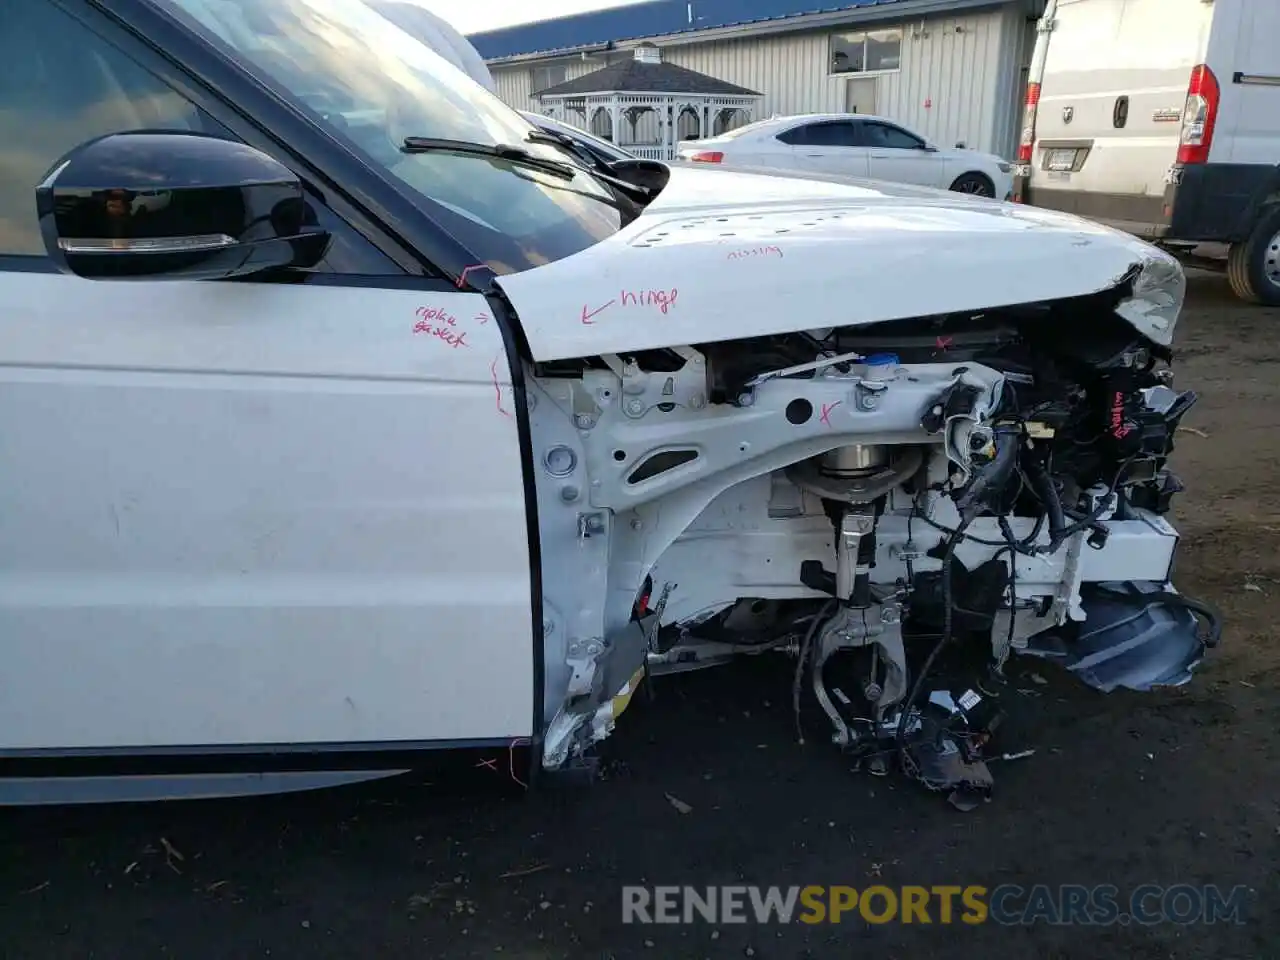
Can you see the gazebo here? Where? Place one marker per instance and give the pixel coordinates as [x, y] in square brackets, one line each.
[647, 106]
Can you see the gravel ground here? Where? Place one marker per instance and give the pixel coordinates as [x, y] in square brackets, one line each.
[1180, 787]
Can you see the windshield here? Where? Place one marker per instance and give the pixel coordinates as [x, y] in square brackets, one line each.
[370, 83]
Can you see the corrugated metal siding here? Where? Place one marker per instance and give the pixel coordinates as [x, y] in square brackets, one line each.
[514, 83]
[1017, 40]
[959, 80]
[512, 87]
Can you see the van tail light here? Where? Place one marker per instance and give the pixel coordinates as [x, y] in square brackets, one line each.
[707, 156]
[1029, 123]
[1199, 116]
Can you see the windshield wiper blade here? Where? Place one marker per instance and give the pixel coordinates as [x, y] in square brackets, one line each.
[600, 169]
[501, 151]
[538, 135]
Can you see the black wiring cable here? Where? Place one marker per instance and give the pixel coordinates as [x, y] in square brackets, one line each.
[798, 680]
[1013, 578]
[1206, 611]
[900, 737]
[1024, 545]
[1089, 520]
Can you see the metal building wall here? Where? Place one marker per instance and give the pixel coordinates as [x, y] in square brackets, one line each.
[514, 83]
[960, 78]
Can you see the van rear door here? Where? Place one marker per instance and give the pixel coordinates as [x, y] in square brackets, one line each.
[1246, 57]
[1111, 104]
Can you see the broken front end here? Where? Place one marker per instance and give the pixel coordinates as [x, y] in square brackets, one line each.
[870, 506]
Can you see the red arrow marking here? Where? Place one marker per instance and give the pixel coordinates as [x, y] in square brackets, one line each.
[826, 411]
[462, 279]
[588, 314]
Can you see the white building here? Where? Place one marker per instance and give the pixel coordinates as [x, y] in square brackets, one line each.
[954, 70]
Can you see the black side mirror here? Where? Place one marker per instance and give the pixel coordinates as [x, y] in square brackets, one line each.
[649, 174]
[174, 205]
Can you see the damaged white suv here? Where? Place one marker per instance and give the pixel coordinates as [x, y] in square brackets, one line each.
[387, 424]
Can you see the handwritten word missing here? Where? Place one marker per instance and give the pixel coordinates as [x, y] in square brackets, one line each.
[752, 252]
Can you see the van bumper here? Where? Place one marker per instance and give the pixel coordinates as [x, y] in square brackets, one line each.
[1205, 203]
[1142, 216]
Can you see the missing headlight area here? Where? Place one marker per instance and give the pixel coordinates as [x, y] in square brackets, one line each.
[890, 512]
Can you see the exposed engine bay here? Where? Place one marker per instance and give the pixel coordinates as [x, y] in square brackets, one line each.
[865, 504]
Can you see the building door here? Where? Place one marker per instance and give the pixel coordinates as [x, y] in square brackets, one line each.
[860, 95]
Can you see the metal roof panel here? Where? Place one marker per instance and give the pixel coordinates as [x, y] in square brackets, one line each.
[653, 18]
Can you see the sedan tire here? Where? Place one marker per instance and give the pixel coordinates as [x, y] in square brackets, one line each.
[975, 184]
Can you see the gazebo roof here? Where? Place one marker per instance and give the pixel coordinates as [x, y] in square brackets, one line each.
[643, 76]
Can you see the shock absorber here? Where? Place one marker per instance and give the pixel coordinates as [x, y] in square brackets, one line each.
[855, 553]
[855, 523]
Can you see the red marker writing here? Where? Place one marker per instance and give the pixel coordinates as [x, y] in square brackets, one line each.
[587, 313]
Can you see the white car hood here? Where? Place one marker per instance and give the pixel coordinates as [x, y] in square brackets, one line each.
[725, 255]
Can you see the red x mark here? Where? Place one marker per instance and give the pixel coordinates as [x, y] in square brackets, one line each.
[826, 411]
[488, 765]
[943, 343]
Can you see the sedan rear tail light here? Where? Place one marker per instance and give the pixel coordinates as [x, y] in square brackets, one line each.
[707, 156]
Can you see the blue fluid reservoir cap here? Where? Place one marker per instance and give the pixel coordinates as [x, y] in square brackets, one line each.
[882, 360]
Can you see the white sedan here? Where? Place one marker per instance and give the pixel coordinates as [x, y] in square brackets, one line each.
[855, 145]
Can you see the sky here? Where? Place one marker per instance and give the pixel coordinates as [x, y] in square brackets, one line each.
[470, 16]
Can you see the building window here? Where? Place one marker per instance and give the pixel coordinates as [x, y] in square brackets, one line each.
[548, 75]
[870, 51]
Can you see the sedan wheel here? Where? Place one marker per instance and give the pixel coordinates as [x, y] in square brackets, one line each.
[975, 184]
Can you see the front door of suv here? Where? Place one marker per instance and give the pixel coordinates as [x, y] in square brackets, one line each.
[264, 512]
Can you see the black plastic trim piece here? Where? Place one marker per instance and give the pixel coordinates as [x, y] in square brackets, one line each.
[1261, 79]
[516, 348]
[328, 748]
[505, 752]
[13, 263]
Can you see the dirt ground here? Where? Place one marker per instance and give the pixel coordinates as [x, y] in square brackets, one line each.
[1180, 787]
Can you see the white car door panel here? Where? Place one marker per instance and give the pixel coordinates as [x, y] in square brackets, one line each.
[842, 161]
[254, 513]
[241, 512]
[827, 147]
[893, 154]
